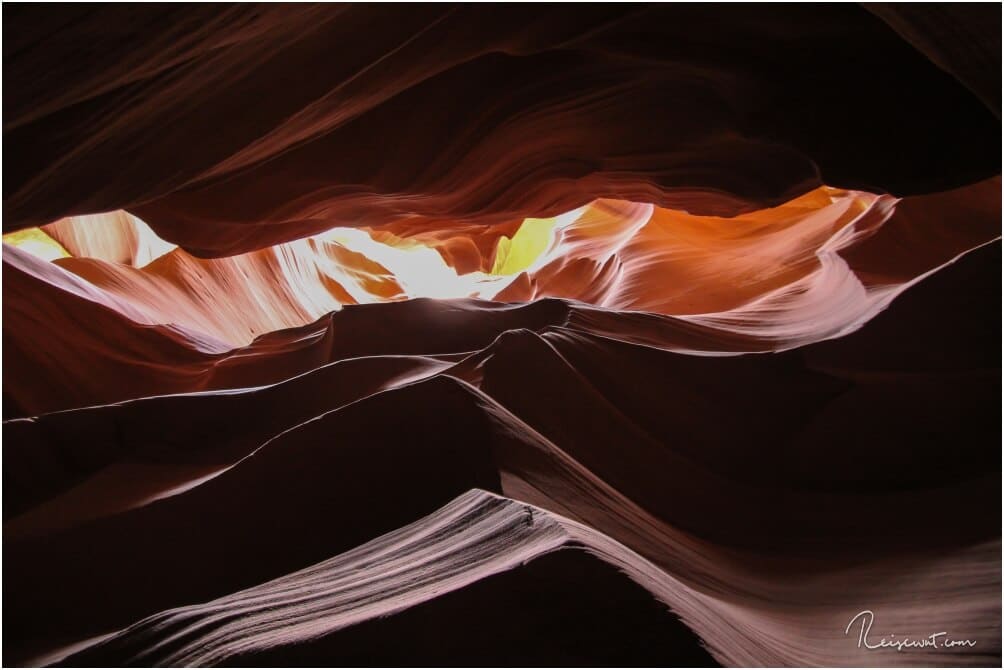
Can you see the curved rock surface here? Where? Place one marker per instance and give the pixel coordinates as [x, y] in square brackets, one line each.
[816, 268]
[481, 114]
[763, 455]
[501, 335]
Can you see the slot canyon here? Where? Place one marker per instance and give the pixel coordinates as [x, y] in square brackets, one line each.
[501, 335]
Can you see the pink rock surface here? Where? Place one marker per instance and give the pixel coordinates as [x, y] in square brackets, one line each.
[605, 335]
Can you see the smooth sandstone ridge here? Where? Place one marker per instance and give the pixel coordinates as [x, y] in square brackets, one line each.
[501, 335]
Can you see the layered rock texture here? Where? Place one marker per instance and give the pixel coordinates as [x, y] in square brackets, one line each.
[501, 335]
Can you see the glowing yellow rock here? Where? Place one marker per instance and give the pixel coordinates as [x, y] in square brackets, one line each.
[530, 241]
[37, 243]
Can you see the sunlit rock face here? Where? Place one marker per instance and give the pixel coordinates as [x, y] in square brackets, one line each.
[480, 114]
[580, 335]
[118, 237]
[780, 277]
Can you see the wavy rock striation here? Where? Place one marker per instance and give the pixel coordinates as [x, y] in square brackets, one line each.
[764, 454]
[501, 335]
[477, 114]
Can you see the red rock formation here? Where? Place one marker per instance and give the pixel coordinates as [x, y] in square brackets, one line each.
[361, 115]
[815, 268]
[500, 334]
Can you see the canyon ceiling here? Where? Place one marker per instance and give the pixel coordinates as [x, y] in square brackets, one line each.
[578, 334]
